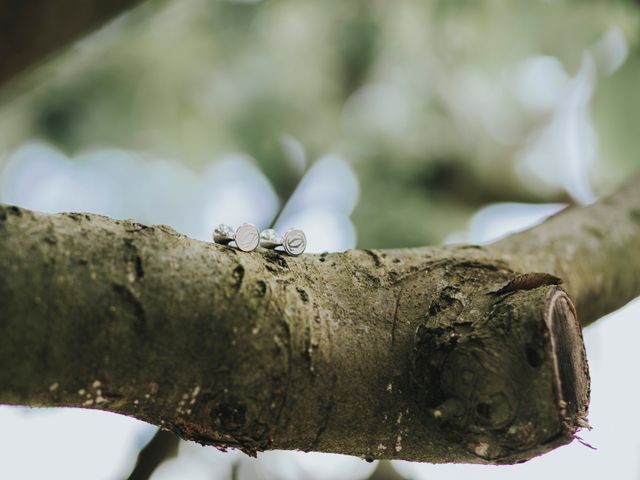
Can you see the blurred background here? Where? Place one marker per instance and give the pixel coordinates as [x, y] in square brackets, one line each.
[369, 124]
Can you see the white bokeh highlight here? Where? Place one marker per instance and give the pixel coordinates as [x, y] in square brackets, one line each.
[286, 465]
[562, 153]
[126, 184]
[322, 204]
[196, 462]
[68, 443]
[539, 82]
[496, 221]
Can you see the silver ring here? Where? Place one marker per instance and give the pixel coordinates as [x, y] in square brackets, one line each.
[246, 236]
[269, 238]
[223, 234]
[294, 241]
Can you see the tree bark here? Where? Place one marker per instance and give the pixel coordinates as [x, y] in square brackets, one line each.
[444, 354]
[595, 250]
[31, 30]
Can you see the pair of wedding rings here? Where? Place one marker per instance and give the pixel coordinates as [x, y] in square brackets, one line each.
[247, 238]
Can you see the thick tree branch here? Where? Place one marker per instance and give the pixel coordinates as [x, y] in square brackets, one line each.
[462, 353]
[31, 30]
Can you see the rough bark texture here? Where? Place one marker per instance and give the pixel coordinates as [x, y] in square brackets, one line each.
[447, 354]
[31, 30]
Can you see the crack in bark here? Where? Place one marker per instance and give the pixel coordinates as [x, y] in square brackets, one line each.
[376, 258]
[326, 417]
[395, 318]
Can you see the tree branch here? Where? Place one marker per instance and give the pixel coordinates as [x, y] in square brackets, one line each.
[445, 354]
[595, 250]
[31, 30]
[163, 445]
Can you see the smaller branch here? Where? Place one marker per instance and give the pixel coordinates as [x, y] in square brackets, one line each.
[162, 446]
[385, 471]
[32, 30]
[595, 250]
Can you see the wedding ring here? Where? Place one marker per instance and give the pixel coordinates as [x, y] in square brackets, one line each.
[246, 236]
[293, 241]
[223, 234]
[269, 238]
